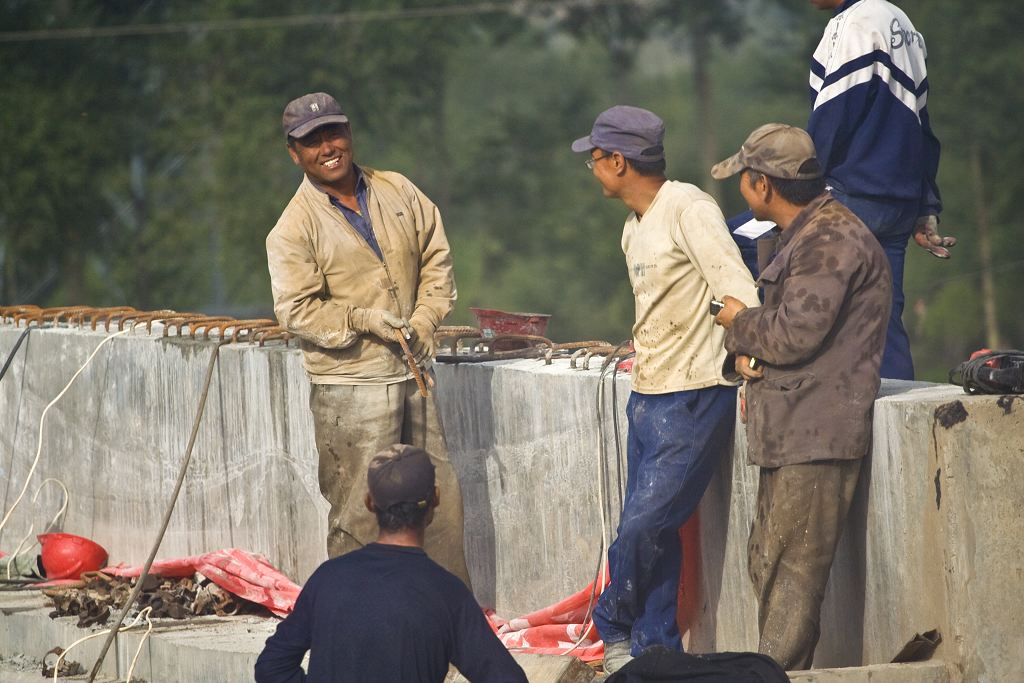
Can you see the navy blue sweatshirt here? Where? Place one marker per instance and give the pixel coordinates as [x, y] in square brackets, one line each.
[869, 118]
[386, 614]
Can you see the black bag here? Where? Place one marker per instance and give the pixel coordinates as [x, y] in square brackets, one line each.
[991, 372]
[668, 666]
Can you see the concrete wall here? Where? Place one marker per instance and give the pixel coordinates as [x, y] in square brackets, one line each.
[117, 439]
[934, 540]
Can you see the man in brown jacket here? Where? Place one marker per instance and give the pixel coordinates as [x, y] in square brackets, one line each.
[819, 339]
[358, 257]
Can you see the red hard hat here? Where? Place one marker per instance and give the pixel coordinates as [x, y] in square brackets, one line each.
[66, 556]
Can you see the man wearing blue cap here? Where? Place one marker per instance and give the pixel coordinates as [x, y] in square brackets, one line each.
[681, 410]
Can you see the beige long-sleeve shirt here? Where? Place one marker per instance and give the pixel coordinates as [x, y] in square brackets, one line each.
[680, 256]
[321, 269]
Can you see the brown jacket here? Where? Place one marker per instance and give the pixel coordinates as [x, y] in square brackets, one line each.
[821, 332]
[321, 268]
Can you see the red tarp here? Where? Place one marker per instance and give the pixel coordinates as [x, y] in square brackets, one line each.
[241, 573]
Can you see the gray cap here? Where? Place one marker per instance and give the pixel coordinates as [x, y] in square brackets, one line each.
[307, 113]
[774, 149]
[635, 133]
[400, 474]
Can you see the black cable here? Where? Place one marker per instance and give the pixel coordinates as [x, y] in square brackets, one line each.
[10, 356]
[995, 372]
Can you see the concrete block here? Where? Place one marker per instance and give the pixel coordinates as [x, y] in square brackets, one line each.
[193, 651]
[935, 538]
[117, 438]
[524, 440]
[922, 672]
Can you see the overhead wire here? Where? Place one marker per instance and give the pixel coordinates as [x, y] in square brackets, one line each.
[293, 20]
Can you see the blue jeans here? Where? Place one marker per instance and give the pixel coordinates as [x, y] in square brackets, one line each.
[892, 223]
[675, 442]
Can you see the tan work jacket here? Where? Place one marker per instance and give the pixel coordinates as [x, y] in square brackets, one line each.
[321, 268]
[821, 332]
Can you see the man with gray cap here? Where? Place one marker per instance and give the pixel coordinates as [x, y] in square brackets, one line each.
[819, 339]
[387, 612]
[359, 257]
[681, 411]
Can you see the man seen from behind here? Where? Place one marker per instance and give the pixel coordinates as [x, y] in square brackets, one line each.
[870, 125]
[387, 612]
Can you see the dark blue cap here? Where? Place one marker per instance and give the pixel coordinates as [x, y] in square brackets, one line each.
[635, 133]
[305, 114]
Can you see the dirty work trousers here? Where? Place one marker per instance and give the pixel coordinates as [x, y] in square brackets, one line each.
[675, 441]
[892, 223]
[352, 424]
[800, 514]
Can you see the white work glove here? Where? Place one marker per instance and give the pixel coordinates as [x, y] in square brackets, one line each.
[927, 237]
[422, 343]
[380, 323]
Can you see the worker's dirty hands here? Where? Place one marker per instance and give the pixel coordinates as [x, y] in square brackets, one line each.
[743, 367]
[380, 323]
[729, 311]
[422, 342]
[927, 237]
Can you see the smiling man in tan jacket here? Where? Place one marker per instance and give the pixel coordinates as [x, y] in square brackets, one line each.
[359, 257]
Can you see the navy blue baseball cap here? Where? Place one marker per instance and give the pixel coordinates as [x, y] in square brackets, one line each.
[400, 474]
[635, 133]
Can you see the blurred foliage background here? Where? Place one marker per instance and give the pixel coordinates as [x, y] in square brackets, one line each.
[142, 161]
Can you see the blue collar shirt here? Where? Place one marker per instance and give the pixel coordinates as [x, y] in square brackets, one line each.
[360, 220]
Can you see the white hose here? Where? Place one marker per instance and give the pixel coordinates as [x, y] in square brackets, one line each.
[19, 550]
[42, 419]
[602, 492]
[64, 506]
[32, 526]
[142, 641]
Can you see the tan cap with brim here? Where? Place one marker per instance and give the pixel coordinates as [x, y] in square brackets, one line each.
[774, 149]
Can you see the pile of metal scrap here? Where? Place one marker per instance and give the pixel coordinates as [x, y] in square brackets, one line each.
[94, 598]
[470, 345]
[67, 667]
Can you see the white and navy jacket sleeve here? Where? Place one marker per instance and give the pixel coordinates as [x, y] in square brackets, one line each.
[869, 117]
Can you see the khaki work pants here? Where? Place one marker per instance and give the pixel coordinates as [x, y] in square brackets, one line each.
[352, 424]
[800, 514]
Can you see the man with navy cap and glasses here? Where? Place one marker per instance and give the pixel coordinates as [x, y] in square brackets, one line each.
[359, 257]
[681, 410]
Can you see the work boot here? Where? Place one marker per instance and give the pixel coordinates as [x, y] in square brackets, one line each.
[616, 656]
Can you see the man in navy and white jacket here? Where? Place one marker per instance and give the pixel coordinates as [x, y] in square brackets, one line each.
[869, 122]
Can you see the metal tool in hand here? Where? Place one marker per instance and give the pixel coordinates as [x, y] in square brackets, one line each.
[716, 308]
[417, 373]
